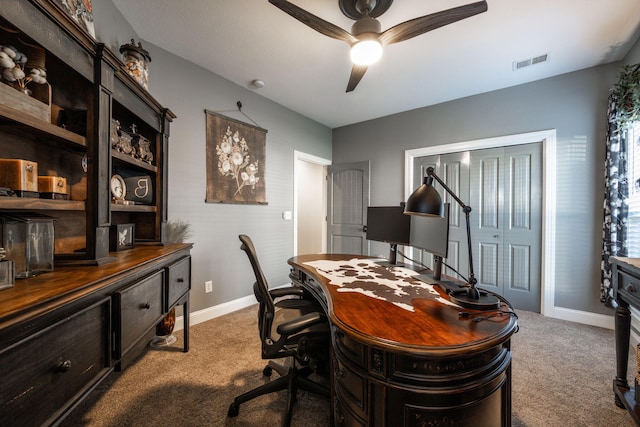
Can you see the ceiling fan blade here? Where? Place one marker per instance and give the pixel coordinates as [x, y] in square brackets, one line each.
[312, 21]
[356, 75]
[417, 26]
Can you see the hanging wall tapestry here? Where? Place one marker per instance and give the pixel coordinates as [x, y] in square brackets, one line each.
[235, 161]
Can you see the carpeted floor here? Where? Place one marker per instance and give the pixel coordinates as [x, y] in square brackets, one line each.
[562, 376]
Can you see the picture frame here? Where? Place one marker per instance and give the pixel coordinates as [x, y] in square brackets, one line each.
[122, 237]
[236, 161]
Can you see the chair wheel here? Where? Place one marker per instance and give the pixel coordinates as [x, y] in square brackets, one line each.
[233, 410]
[267, 371]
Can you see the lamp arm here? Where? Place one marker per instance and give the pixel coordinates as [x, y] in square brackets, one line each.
[467, 210]
[472, 277]
[432, 174]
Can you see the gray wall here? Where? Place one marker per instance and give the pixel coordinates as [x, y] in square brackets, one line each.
[188, 90]
[574, 104]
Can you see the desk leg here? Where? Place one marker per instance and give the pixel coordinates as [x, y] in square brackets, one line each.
[185, 322]
[623, 328]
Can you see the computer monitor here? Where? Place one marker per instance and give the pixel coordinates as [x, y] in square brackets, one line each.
[431, 234]
[389, 224]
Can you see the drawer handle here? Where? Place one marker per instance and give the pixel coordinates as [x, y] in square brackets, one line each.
[631, 289]
[180, 280]
[64, 366]
[145, 306]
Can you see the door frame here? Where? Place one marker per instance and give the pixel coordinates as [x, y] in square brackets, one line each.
[548, 139]
[299, 155]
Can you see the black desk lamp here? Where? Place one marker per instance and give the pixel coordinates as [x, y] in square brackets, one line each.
[427, 202]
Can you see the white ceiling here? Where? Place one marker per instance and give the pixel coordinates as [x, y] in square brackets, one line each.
[243, 40]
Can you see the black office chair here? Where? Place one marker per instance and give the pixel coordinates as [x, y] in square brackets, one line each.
[291, 324]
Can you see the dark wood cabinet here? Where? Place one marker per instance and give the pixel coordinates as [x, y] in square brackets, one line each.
[64, 331]
[90, 93]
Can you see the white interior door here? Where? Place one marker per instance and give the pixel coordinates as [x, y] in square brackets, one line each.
[347, 201]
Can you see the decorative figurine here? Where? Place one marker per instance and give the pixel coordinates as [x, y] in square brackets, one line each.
[141, 146]
[120, 140]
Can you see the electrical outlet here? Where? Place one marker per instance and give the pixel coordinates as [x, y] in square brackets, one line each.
[208, 286]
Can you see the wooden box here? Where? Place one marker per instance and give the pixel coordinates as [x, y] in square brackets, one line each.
[19, 175]
[37, 106]
[53, 187]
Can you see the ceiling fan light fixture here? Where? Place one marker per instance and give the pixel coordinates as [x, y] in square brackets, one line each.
[366, 52]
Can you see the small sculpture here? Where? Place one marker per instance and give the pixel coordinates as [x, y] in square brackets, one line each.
[120, 140]
[141, 146]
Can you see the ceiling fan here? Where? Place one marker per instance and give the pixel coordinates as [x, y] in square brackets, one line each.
[366, 36]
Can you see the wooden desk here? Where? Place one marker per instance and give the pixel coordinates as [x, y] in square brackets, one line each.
[402, 354]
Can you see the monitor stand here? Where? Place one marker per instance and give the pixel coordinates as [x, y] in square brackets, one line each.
[435, 278]
[393, 253]
[437, 267]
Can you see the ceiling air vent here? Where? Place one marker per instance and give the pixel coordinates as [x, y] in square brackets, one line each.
[517, 65]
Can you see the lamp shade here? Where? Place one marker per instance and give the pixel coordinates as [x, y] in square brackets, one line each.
[425, 201]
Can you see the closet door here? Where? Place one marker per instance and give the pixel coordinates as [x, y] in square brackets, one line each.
[506, 226]
[453, 169]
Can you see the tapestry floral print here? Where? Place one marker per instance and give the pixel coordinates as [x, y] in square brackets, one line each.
[234, 161]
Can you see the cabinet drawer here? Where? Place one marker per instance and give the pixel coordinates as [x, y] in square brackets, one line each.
[140, 308]
[352, 386]
[343, 417]
[178, 281]
[44, 374]
[629, 287]
[349, 349]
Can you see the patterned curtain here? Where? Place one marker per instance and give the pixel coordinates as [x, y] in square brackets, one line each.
[623, 111]
[615, 196]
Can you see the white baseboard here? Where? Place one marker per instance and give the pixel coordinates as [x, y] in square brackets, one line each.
[215, 311]
[585, 317]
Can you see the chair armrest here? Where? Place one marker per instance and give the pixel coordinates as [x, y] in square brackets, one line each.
[301, 323]
[288, 291]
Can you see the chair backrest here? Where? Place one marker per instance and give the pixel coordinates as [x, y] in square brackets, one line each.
[260, 289]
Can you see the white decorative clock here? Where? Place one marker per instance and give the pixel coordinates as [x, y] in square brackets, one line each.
[118, 188]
